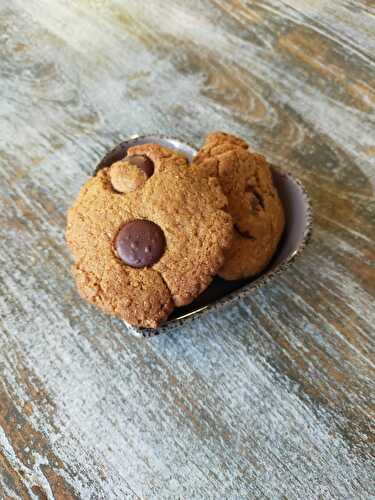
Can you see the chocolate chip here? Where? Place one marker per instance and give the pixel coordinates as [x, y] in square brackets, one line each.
[119, 153]
[256, 199]
[142, 162]
[244, 233]
[140, 243]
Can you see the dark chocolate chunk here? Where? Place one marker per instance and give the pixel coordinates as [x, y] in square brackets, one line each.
[119, 153]
[256, 200]
[140, 243]
[142, 162]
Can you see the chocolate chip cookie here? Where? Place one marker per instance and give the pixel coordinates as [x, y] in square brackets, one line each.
[253, 202]
[148, 233]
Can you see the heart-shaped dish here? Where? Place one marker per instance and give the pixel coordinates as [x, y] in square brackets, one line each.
[298, 224]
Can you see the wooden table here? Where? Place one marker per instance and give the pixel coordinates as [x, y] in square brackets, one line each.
[274, 396]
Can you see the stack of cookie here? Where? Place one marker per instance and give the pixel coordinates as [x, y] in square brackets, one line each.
[149, 232]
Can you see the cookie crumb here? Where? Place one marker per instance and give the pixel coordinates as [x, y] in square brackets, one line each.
[126, 177]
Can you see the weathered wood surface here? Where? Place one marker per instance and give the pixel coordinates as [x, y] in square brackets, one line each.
[272, 398]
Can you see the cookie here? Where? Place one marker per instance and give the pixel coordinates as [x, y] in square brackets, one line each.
[148, 233]
[253, 202]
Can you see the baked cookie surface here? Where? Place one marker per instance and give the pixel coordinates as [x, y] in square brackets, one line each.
[148, 233]
[253, 202]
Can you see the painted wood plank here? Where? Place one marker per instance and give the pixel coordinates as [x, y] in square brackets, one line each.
[273, 397]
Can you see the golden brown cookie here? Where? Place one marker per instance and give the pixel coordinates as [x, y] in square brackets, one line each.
[253, 202]
[148, 233]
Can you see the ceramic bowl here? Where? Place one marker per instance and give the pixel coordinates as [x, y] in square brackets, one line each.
[298, 223]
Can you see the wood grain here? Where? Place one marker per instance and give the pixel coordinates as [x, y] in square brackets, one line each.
[273, 397]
